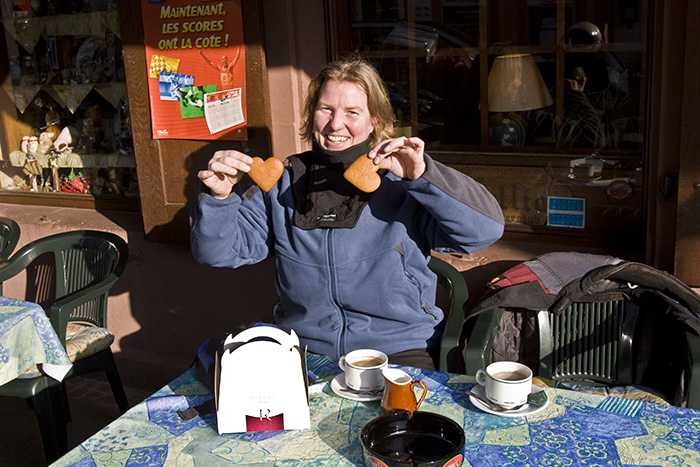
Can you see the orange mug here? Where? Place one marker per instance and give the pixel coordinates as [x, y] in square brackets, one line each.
[399, 391]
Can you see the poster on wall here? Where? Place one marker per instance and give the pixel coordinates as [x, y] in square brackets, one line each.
[195, 56]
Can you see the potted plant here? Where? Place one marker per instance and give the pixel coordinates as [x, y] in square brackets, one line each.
[597, 119]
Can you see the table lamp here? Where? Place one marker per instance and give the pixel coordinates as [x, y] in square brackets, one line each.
[515, 85]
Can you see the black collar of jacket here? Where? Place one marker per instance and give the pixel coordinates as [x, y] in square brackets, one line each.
[322, 197]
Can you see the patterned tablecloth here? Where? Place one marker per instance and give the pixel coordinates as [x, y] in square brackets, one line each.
[27, 338]
[573, 429]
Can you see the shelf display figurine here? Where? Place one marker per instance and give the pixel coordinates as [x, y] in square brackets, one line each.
[55, 180]
[63, 148]
[32, 145]
[19, 158]
[63, 140]
[45, 142]
[33, 170]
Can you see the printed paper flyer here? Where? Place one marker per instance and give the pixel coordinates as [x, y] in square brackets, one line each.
[195, 54]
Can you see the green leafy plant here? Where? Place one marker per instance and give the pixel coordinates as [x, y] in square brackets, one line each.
[599, 119]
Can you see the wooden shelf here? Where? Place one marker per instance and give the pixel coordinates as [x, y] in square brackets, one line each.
[70, 200]
[75, 160]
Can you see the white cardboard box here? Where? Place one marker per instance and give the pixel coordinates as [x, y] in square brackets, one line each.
[260, 382]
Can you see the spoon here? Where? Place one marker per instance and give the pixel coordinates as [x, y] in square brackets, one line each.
[352, 392]
[489, 404]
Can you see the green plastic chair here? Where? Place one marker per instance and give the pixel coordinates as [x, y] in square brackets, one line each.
[85, 265]
[591, 344]
[9, 236]
[457, 293]
[587, 321]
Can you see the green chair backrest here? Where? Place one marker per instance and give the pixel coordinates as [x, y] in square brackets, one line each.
[588, 342]
[73, 274]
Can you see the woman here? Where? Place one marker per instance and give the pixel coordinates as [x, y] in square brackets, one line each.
[351, 266]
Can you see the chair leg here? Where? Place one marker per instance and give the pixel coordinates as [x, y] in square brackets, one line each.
[115, 383]
[48, 404]
[66, 405]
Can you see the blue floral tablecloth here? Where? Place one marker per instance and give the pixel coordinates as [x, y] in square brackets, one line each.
[27, 338]
[574, 429]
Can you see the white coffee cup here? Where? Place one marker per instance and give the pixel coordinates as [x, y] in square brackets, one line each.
[506, 383]
[363, 369]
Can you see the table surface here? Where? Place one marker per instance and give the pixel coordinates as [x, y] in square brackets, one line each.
[575, 428]
[27, 338]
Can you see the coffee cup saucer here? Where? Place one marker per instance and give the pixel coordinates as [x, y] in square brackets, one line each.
[339, 387]
[522, 411]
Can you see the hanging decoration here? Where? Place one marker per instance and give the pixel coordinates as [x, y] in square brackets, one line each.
[98, 26]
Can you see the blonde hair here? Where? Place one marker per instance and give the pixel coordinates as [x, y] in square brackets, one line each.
[353, 69]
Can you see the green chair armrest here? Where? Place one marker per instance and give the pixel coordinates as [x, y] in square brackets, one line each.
[17, 263]
[477, 348]
[449, 345]
[453, 282]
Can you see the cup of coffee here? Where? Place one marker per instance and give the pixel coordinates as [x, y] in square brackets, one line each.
[506, 384]
[363, 369]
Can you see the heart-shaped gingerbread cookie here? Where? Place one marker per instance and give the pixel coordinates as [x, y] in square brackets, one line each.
[363, 174]
[266, 173]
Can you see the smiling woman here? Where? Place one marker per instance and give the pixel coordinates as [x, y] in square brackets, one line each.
[341, 118]
[352, 265]
[351, 71]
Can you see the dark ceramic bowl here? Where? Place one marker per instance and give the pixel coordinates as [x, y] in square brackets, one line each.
[424, 439]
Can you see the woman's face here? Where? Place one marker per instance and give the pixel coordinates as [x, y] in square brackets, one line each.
[342, 118]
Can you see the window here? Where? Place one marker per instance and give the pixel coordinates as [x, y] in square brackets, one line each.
[65, 116]
[540, 100]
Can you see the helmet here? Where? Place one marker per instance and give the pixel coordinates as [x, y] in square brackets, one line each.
[584, 34]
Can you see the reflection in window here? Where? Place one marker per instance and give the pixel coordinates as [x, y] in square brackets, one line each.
[430, 55]
[581, 138]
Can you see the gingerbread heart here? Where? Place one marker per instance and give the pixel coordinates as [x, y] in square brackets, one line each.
[363, 174]
[266, 173]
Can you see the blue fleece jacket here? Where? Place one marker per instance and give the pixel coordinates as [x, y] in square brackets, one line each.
[347, 288]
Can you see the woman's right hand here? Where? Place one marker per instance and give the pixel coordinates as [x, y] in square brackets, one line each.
[224, 170]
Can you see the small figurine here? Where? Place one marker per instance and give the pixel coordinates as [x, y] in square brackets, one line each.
[20, 183]
[63, 140]
[32, 145]
[52, 117]
[19, 158]
[23, 144]
[54, 171]
[45, 142]
[33, 170]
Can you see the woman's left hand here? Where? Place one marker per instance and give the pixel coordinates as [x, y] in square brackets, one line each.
[401, 156]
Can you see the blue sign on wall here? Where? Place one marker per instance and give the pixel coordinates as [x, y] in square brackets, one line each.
[566, 212]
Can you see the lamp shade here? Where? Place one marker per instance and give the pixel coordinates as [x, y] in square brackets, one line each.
[515, 84]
